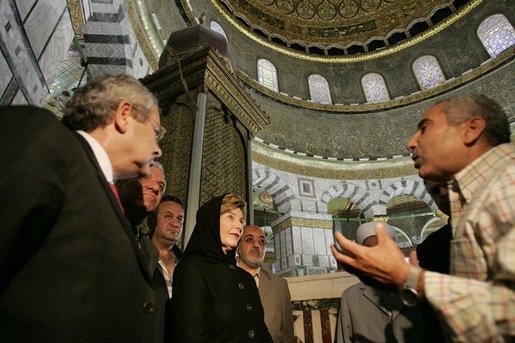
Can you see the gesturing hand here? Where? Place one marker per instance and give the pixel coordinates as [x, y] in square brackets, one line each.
[383, 262]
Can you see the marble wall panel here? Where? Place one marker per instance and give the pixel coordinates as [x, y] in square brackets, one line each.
[24, 7]
[17, 52]
[277, 247]
[307, 260]
[5, 74]
[42, 22]
[329, 239]
[282, 237]
[319, 241]
[297, 240]
[323, 261]
[103, 28]
[100, 50]
[291, 260]
[56, 49]
[86, 6]
[289, 241]
[19, 99]
[309, 205]
[307, 240]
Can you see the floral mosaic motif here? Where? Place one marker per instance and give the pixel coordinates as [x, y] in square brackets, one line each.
[267, 74]
[319, 89]
[428, 72]
[213, 25]
[497, 34]
[375, 88]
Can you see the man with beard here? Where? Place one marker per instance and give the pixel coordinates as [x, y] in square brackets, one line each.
[273, 290]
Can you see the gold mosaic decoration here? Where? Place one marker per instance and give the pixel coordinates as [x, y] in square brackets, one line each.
[352, 58]
[334, 21]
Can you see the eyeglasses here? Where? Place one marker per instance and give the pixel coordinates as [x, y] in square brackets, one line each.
[249, 239]
[159, 129]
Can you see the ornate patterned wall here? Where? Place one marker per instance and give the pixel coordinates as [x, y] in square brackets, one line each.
[176, 146]
[224, 166]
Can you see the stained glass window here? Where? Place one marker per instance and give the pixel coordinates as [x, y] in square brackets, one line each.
[319, 89]
[496, 33]
[267, 74]
[428, 72]
[217, 28]
[374, 88]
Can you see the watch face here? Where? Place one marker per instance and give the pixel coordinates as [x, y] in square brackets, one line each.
[409, 297]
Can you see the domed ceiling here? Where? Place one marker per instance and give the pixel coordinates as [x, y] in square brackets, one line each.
[338, 26]
[303, 37]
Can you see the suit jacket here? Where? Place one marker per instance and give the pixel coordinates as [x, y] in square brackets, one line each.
[71, 269]
[366, 317]
[276, 301]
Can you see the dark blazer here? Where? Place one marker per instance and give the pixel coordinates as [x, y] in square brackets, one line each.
[276, 300]
[71, 269]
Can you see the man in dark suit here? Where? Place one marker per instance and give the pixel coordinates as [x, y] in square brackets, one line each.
[273, 290]
[140, 197]
[71, 267]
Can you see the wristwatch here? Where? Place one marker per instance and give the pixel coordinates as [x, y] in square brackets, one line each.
[409, 293]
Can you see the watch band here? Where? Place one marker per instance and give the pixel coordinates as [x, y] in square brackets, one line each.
[413, 277]
[409, 293]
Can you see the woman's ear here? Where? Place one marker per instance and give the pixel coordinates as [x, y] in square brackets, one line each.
[121, 116]
[474, 130]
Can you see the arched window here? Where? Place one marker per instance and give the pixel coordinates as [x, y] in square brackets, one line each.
[213, 25]
[496, 33]
[374, 88]
[267, 74]
[319, 89]
[428, 72]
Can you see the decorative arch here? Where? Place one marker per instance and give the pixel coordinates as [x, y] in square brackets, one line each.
[282, 194]
[407, 187]
[428, 72]
[267, 74]
[356, 194]
[319, 89]
[496, 33]
[375, 88]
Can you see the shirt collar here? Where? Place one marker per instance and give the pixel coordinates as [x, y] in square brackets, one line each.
[100, 154]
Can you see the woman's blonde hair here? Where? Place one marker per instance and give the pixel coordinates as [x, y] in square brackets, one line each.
[233, 201]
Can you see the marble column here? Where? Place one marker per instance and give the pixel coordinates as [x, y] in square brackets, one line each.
[303, 244]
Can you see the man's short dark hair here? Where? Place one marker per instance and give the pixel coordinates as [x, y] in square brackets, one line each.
[152, 218]
[173, 198]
